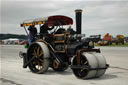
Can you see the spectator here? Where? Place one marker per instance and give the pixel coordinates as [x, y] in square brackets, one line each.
[32, 33]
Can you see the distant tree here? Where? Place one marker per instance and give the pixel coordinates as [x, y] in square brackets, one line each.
[7, 36]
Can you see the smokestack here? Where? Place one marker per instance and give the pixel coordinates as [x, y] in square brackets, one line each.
[78, 20]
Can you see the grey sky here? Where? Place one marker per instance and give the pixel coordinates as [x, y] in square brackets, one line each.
[99, 17]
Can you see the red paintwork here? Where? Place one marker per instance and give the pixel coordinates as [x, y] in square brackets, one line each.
[59, 20]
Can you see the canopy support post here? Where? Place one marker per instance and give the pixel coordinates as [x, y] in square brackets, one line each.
[26, 31]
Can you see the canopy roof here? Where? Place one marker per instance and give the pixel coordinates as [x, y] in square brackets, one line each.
[51, 20]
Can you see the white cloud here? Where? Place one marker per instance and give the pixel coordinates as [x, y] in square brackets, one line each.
[99, 17]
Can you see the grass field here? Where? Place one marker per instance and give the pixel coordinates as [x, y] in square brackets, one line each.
[114, 45]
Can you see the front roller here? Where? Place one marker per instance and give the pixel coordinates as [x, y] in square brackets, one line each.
[91, 65]
[38, 54]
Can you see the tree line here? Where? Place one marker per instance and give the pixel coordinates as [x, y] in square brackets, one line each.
[7, 36]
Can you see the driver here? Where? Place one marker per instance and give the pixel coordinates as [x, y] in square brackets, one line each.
[44, 30]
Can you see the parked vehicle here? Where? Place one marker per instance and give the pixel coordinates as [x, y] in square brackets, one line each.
[120, 39]
[107, 40]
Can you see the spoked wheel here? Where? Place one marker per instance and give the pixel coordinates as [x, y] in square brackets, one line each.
[92, 62]
[39, 52]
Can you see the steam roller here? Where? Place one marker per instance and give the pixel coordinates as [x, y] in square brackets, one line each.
[63, 48]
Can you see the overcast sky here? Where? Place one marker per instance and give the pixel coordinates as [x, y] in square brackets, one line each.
[98, 16]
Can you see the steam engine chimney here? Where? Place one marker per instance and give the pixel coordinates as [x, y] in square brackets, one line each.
[78, 20]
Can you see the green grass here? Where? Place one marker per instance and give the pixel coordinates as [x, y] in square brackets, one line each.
[114, 45]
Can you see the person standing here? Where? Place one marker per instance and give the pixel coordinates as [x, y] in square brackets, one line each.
[32, 33]
[70, 30]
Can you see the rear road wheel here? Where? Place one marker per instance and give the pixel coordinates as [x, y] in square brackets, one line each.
[40, 63]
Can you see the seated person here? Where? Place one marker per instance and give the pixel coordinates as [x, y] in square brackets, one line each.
[44, 30]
